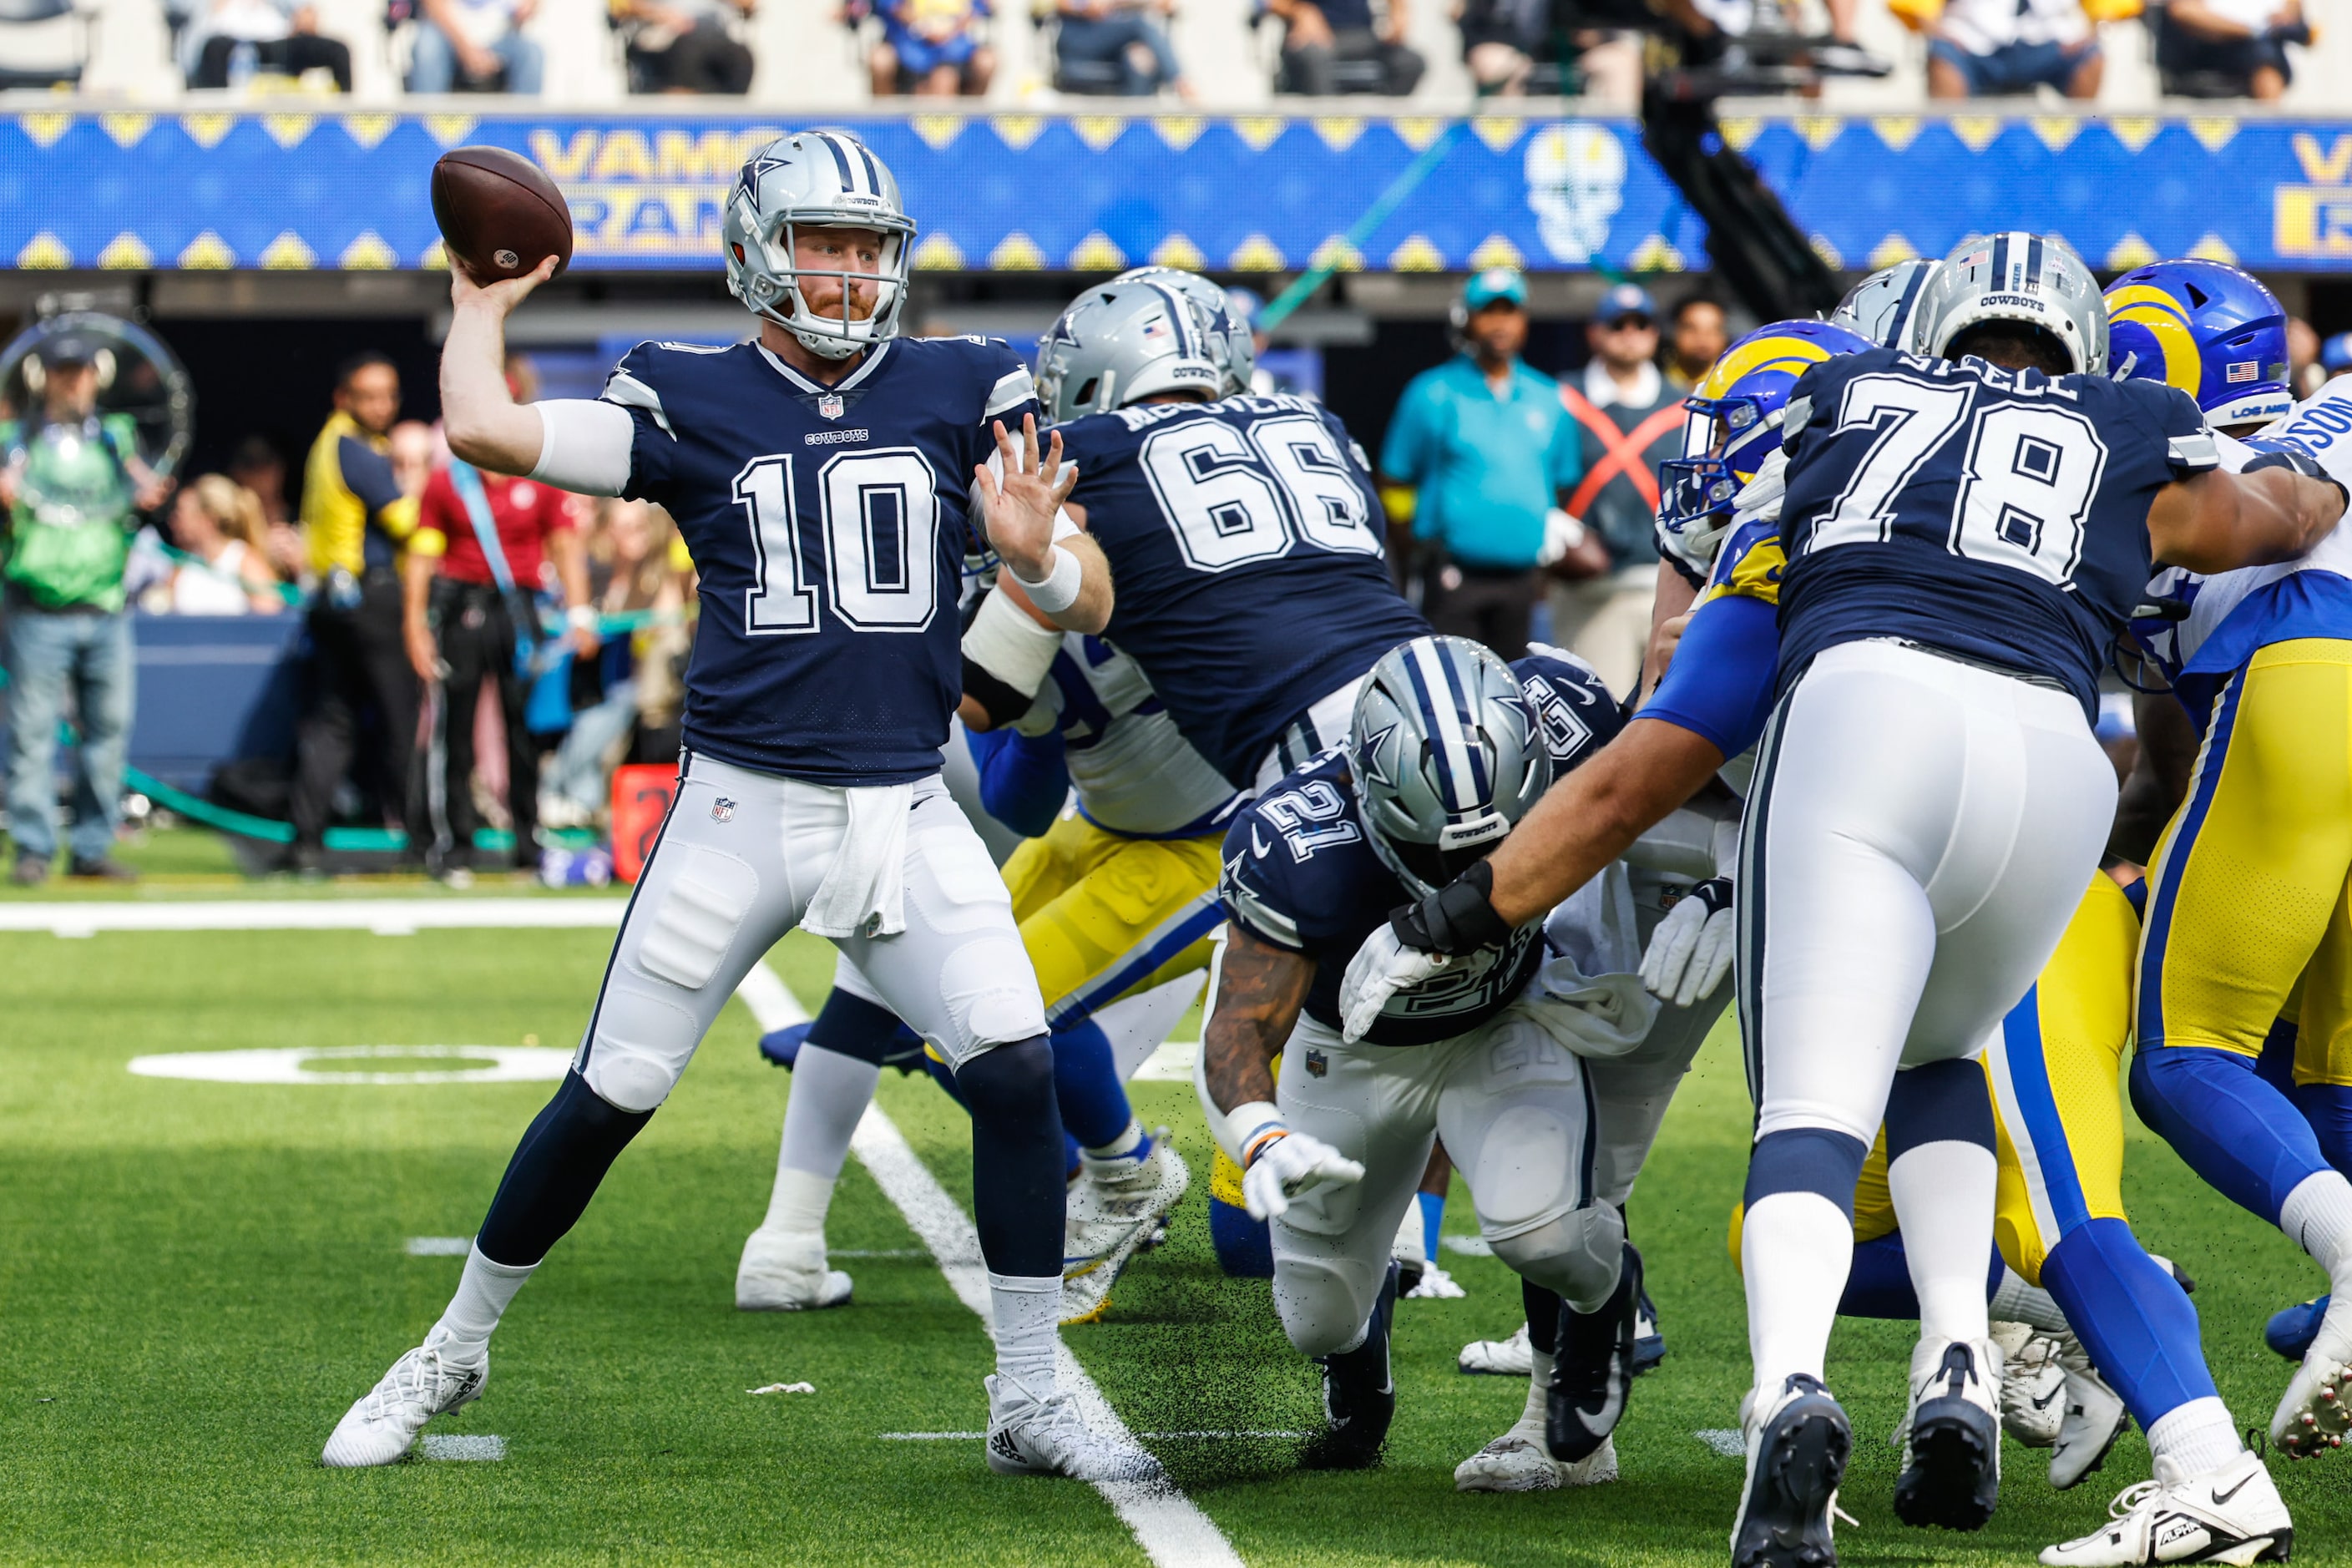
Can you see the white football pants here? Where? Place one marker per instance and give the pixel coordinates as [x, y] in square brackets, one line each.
[739, 857]
[1518, 1116]
[1919, 833]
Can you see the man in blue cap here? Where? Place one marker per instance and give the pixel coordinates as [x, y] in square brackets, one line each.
[1629, 418]
[1480, 458]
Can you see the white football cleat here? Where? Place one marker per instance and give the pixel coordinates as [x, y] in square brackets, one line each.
[1516, 1462]
[2033, 1385]
[382, 1426]
[2313, 1418]
[2231, 1514]
[1435, 1285]
[2095, 1418]
[784, 1271]
[1115, 1207]
[1033, 1437]
[1500, 1358]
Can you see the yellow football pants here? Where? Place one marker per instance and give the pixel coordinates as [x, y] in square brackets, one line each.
[1102, 915]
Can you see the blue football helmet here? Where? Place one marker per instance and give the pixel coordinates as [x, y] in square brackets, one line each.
[2208, 328]
[1735, 423]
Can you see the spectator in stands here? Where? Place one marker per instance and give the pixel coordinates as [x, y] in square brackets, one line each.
[414, 452]
[474, 44]
[2229, 48]
[471, 619]
[2305, 373]
[232, 39]
[1696, 338]
[1319, 37]
[1507, 43]
[932, 48]
[686, 46]
[1997, 48]
[220, 570]
[630, 573]
[1130, 34]
[73, 487]
[1488, 453]
[257, 464]
[1629, 419]
[355, 525]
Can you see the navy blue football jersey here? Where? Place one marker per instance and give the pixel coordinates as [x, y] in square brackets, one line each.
[1244, 541]
[2000, 515]
[829, 526]
[1301, 875]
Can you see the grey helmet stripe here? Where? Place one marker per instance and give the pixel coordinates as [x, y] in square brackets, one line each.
[1468, 716]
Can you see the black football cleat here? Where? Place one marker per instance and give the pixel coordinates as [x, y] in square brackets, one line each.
[1359, 1395]
[1952, 1463]
[1593, 1368]
[1795, 1461]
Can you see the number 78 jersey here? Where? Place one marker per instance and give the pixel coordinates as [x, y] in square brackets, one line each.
[1247, 558]
[2000, 515]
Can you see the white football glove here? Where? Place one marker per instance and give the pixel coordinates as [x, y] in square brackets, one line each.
[1759, 497]
[1284, 1163]
[1382, 967]
[1690, 952]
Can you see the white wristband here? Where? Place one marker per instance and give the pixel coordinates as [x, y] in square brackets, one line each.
[1251, 1124]
[1060, 589]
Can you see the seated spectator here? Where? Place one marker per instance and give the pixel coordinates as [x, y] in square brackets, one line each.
[256, 466]
[686, 46]
[1125, 35]
[236, 39]
[1513, 51]
[932, 48]
[220, 570]
[2229, 48]
[1320, 35]
[475, 46]
[1998, 49]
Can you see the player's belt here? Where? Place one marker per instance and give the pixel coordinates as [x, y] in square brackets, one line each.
[2031, 677]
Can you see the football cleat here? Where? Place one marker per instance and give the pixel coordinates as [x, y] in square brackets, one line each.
[1797, 1453]
[1951, 1450]
[1498, 1358]
[2291, 1329]
[1115, 1208]
[1434, 1285]
[2033, 1385]
[784, 1271]
[2231, 1514]
[1516, 1462]
[1359, 1395]
[1649, 1344]
[382, 1426]
[1033, 1437]
[2313, 1418]
[2095, 1418]
[1593, 1371]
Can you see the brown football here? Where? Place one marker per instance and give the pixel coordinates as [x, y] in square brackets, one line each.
[499, 214]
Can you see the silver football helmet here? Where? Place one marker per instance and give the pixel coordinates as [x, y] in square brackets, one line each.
[1446, 758]
[1885, 306]
[816, 179]
[2033, 280]
[1148, 330]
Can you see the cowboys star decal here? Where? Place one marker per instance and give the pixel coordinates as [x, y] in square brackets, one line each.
[1375, 764]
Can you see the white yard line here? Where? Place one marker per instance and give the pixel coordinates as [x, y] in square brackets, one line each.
[385, 917]
[1168, 1525]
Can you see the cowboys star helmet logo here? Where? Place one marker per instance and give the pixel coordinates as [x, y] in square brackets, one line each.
[829, 404]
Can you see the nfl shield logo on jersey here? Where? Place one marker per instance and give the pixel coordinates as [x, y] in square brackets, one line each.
[829, 404]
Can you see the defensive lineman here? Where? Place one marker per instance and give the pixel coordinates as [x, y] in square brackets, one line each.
[819, 477]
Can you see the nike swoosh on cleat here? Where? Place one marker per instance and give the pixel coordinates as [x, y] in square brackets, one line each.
[2043, 1402]
[2220, 1498]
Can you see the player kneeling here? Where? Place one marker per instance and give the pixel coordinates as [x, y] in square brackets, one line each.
[1443, 754]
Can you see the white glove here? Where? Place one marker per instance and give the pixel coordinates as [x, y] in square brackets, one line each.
[1562, 533]
[1382, 967]
[1282, 1164]
[1690, 952]
[1759, 497]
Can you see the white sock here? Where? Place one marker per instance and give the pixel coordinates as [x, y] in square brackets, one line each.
[1943, 1195]
[2317, 1217]
[1531, 1419]
[2017, 1302]
[1028, 1314]
[1795, 1250]
[484, 1291]
[1122, 1147]
[2198, 1437]
[830, 1093]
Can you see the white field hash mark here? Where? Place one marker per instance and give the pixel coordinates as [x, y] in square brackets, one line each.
[1168, 1525]
[455, 1445]
[439, 1246]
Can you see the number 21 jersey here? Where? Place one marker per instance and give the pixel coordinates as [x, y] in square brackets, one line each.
[1998, 515]
[829, 526]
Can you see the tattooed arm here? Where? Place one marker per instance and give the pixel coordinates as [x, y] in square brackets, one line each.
[1260, 989]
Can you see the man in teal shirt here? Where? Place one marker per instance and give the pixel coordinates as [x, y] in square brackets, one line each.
[1488, 451]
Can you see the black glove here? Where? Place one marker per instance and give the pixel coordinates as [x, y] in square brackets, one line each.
[1457, 918]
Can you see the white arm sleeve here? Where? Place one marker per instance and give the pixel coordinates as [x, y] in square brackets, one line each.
[584, 445]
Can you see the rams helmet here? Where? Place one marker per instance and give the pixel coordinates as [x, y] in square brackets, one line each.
[2208, 328]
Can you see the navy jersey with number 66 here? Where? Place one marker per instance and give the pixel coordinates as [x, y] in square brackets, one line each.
[2000, 515]
[1299, 874]
[1245, 541]
[829, 526]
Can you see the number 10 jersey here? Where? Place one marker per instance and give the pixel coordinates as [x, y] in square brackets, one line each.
[1998, 515]
[829, 526]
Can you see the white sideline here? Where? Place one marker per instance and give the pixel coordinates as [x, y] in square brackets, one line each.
[384, 917]
[1168, 1525]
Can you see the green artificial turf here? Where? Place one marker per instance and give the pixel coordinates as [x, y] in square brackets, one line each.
[196, 1279]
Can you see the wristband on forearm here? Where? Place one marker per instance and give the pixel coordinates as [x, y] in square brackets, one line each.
[1062, 580]
[1457, 918]
[1259, 1126]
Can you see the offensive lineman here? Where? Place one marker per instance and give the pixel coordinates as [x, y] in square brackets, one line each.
[819, 474]
[1954, 643]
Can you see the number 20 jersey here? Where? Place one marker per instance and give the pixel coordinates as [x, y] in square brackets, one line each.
[828, 525]
[1245, 548]
[1998, 515]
